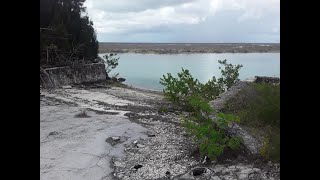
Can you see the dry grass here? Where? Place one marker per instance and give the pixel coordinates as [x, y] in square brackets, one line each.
[258, 107]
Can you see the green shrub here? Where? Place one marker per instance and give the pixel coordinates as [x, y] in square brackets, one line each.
[110, 61]
[163, 109]
[178, 89]
[198, 105]
[194, 97]
[229, 75]
[211, 137]
[212, 89]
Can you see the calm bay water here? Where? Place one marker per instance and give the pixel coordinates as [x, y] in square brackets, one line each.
[145, 70]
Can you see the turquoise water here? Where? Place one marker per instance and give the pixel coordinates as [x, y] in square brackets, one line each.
[145, 70]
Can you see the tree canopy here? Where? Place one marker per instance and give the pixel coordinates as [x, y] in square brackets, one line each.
[66, 33]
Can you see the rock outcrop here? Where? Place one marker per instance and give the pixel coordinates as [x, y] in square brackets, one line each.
[265, 79]
[121, 79]
[62, 76]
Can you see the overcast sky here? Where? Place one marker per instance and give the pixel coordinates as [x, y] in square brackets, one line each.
[186, 20]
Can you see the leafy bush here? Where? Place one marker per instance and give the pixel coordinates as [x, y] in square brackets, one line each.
[194, 97]
[110, 61]
[198, 105]
[229, 74]
[178, 89]
[163, 109]
[212, 88]
[211, 137]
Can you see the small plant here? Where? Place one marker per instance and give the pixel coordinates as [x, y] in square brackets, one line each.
[234, 143]
[178, 89]
[212, 89]
[110, 61]
[163, 109]
[230, 74]
[198, 105]
[211, 136]
[82, 114]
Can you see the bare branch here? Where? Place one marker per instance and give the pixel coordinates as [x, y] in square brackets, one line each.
[76, 50]
[50, 80]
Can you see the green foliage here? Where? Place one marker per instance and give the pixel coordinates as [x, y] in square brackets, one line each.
[193, 96]
[212, 89]
[224, 119]
[198, 105]
[270, 104]
[234, 143]
[64, 26]
[263, 109]
[178, 89]
[211, 137]
[229, 74]
[271, 146]
[110, 61]
[163, 109]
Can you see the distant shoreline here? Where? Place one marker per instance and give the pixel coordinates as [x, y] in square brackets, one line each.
[190, 48]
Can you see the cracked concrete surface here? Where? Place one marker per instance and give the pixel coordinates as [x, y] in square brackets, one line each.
[76, 148]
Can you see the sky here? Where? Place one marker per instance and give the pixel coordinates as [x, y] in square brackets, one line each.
[186, 21]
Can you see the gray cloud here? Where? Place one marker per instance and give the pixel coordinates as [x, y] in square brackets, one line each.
[133, 5]
[186, 20]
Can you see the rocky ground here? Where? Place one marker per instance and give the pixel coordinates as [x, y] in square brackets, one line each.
[119, 133]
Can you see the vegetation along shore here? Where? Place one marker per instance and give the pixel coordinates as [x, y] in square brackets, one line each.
[175, 48]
